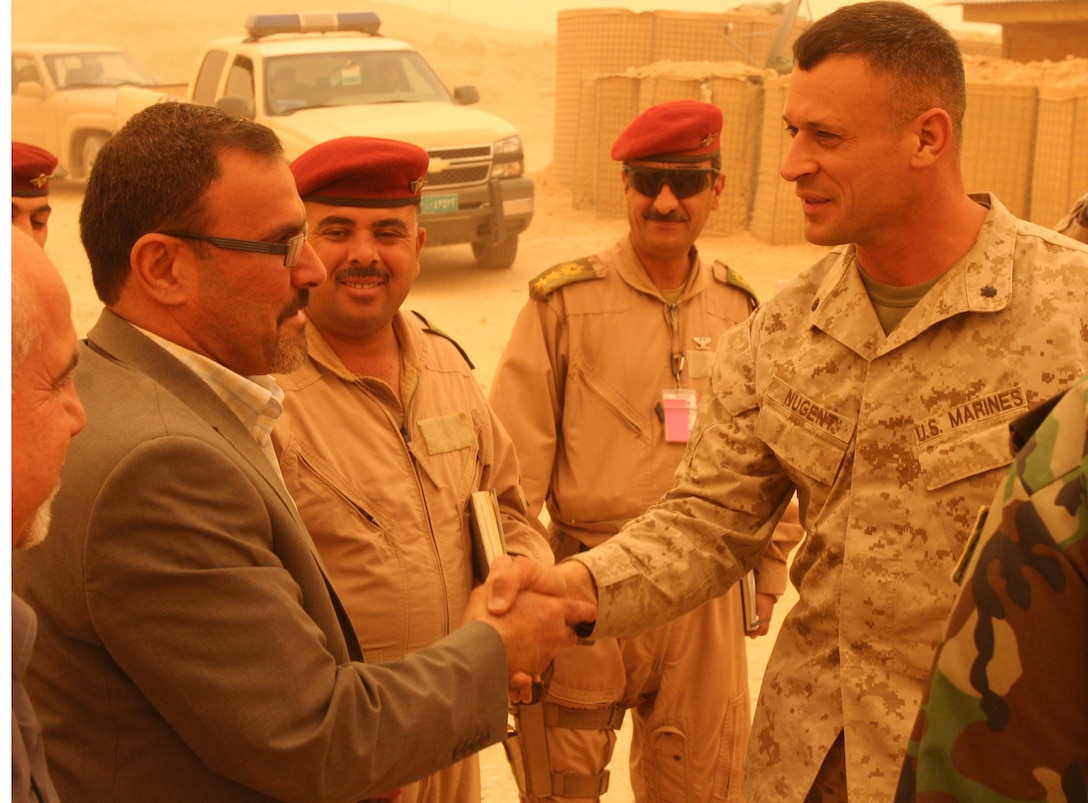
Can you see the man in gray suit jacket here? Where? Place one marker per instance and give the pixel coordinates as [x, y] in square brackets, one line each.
[191, 647]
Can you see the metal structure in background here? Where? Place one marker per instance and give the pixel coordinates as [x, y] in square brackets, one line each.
[774, 60]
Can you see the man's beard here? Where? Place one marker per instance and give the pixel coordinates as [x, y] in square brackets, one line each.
[291, 350]
[290, 353]
[37, 528]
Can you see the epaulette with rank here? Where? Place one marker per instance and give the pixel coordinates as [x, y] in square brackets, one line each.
[579, 270]
[726, 275]
[427, 327]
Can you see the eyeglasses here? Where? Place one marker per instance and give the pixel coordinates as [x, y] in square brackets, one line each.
[290, 250]
[685, 182]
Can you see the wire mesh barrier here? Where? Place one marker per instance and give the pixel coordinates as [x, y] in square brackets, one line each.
[1023, 139]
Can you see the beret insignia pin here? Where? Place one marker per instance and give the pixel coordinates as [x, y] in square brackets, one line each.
[41, 180]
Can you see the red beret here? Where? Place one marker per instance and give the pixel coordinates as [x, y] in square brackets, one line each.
[680, 131]
[361, 171]
[31, 169]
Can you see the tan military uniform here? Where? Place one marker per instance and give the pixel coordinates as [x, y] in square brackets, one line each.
[578, 387]
[383, 489]
[893, 443]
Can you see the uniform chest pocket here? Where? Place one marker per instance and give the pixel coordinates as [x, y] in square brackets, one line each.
[805, 435]
[447, 433]
[964, 454]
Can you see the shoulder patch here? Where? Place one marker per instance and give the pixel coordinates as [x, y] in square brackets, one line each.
[427, 327]
[560, 275]
[726, 275]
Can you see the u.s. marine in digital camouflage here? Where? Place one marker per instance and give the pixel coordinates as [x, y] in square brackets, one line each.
[1006, 714]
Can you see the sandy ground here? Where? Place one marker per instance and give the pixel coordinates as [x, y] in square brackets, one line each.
[476, 307]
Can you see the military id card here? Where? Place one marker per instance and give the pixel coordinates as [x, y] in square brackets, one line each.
[679, 413]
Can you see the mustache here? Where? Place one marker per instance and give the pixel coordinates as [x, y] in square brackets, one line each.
[302, 300]
[362, 272]
[675, 216]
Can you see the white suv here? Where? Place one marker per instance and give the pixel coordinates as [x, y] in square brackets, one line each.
[315, 77]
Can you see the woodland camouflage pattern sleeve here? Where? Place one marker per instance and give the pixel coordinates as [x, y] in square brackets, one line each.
[1006, 714]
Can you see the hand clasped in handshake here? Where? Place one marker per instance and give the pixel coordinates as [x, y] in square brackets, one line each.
[534, 608]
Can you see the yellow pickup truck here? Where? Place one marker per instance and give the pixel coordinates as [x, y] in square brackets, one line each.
[315, 77]
[64, 98]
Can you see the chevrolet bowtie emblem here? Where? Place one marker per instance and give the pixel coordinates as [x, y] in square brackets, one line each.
[437, 165]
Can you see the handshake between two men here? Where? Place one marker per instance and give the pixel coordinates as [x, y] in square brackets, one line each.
[534, 608]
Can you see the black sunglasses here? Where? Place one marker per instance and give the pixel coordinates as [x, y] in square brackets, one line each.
[290, 250]
[685, 182]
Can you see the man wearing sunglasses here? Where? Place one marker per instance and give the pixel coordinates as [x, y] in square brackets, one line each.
[385, 432]
[191, 646]
[598, 388]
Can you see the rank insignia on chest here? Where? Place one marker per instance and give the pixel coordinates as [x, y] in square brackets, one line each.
[702, 343]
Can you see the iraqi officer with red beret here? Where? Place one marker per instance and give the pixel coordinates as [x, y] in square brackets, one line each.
[385, 433]
[31, 169]
[598, 387]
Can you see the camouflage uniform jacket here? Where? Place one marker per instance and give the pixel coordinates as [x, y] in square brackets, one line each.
[1006, 714]
[384, 487]
[893, 443]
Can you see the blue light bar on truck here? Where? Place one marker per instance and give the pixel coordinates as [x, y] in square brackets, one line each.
[261, 25]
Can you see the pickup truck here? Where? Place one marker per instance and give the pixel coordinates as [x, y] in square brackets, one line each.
[317, 76]
[64, 98]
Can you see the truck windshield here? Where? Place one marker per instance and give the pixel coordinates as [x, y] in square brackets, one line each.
[81, 70]
[350, 79]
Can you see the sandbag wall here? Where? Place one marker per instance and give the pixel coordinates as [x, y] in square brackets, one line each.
[1023, 142]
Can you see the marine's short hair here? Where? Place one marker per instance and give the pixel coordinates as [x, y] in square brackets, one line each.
[917, 54]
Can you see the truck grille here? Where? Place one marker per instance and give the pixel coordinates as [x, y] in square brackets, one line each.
[464, 166]
[458, 175]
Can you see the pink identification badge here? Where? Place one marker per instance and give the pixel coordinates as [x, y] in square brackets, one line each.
[679, 406]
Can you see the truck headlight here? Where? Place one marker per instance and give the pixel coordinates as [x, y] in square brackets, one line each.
[509, 158]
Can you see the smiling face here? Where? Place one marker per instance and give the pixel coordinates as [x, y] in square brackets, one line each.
[372, 258]
[664, 227]
[246, 311]
[850, 158]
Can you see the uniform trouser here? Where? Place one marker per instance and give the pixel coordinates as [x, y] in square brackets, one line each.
[687, 683]
[457, 783]
[830, 783]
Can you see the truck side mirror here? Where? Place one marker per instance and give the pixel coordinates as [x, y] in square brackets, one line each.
[466, 95]
[30, 89]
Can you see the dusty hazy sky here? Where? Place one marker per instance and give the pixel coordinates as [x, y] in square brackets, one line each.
[539, 15]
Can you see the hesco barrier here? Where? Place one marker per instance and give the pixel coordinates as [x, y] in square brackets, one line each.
[1023, 142]
[604, 41]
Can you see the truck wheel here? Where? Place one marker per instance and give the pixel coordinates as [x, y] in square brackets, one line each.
[91, 146]
[495, 256]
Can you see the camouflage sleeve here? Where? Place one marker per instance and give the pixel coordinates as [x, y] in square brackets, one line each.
[1006, 715]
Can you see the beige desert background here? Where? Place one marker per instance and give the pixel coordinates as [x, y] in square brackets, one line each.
[515, 73]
